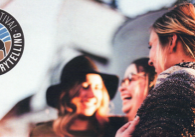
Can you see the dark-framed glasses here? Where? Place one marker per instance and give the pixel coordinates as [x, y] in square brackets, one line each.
[132, 77]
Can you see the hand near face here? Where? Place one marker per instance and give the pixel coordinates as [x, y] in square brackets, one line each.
[128, 128]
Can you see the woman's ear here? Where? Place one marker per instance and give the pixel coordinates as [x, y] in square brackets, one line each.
[173, 43]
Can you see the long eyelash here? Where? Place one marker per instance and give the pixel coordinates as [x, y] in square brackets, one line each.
[149, 47]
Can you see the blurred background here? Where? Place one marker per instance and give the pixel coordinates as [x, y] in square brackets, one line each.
[112, 32]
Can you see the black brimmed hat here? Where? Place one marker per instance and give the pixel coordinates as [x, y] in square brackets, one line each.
[73, 70]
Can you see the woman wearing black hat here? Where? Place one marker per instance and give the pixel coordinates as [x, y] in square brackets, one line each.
[82, 99]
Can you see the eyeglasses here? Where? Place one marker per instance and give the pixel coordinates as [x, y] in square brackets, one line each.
[132, 77]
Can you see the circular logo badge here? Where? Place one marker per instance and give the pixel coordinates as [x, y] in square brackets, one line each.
[11, 42]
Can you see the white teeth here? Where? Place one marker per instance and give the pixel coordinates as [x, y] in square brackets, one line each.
[89, 103]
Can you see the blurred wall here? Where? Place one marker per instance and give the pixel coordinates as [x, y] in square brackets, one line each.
[56, 31]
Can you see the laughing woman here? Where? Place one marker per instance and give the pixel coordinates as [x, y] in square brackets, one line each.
[168, 111]
[82, 99]
[138, 80]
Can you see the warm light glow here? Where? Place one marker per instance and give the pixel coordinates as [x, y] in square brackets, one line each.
[90, 95]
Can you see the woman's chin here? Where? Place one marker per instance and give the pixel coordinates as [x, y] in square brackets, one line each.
[87, 113]
[126, 110]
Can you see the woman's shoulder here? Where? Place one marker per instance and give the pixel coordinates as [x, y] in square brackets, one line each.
[167, 104]
[184, 73]
[43, 130]
[174, 79]
[177, 76]
[177, 88]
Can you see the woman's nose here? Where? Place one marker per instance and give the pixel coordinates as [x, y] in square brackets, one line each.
[90, 93]
[122, 88]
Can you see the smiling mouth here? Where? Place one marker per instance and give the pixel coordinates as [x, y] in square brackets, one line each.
[88, 103]
[128, 98]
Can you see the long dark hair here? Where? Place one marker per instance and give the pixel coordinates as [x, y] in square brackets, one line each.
[142, 66]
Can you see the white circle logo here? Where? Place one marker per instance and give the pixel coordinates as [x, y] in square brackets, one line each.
[11, 42]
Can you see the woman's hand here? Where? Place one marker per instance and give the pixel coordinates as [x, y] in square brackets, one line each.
[128, 128]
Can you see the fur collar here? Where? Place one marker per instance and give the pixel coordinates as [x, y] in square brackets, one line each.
[188, 66]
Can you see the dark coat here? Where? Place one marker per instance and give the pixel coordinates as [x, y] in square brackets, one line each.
[168, 109]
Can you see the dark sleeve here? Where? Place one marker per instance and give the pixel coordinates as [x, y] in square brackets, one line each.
[115, 122]
[168, 110]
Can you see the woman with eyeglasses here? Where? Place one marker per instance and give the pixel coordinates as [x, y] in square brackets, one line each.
[138, 81]
[169, 109]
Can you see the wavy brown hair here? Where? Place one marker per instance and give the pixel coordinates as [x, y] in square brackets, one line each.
[179, 21]
[67, 110]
